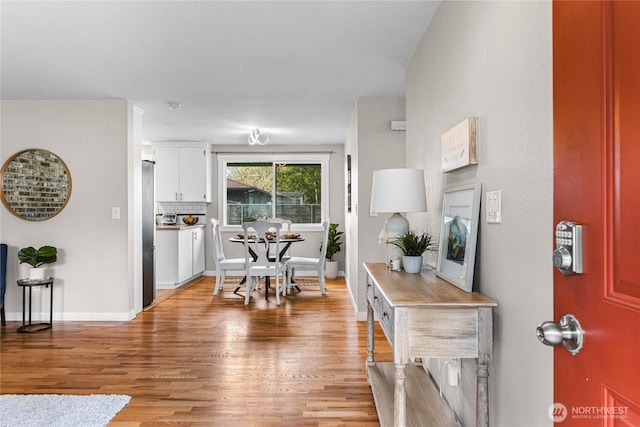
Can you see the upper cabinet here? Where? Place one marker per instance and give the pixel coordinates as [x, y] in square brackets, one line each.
[183, 174]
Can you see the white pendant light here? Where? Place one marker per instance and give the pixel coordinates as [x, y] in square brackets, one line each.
[255, 137]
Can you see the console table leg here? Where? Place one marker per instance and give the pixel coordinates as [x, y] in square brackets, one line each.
[370, 337]
[400, 397]
[485, 340]
[482, 395]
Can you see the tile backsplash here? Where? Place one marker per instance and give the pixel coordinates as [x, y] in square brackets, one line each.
[187, 208]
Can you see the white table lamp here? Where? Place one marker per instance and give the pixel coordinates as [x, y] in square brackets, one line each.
[395, 191]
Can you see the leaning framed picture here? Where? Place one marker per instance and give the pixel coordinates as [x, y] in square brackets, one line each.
[458, 235]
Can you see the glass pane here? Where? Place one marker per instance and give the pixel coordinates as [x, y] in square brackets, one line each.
[299, 193]
[249, 192]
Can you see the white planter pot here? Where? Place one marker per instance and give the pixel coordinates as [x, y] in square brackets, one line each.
[331, 269]
[36, 273]
[412, 264]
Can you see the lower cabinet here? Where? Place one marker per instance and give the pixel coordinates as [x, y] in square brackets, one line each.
[180, 256]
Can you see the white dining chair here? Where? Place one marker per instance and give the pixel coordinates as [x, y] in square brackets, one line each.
[286, 223]
[221, 263]
[261, 260]
[317, 264]
[286, 228]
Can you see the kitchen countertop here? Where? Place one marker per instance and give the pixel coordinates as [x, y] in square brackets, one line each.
[176, 226]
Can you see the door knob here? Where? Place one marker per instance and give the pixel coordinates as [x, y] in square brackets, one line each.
[568, 332]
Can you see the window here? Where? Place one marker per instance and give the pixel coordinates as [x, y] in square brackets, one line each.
[285, 186]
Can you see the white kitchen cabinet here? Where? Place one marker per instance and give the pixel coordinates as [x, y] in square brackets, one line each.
[185, 255]
[190, 253]
[183, 174]
[167, 173]
[198, 250]
[179, 255]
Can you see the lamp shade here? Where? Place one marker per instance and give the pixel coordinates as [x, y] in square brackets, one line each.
[398, 190]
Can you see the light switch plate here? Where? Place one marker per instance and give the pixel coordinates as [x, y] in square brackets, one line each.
[115, 213]
[494, 207]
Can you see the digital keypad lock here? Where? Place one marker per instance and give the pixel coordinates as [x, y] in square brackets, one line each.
[567, 257]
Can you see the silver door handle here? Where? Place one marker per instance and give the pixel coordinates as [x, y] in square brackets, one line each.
[568, 333]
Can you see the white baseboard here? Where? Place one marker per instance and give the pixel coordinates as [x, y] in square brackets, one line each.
[361, 316]
[173, 285]
[72, 317]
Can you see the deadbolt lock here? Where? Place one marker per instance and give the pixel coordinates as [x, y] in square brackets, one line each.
[567, 257]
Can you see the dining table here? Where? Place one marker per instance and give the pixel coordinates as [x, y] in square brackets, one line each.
[285, 244]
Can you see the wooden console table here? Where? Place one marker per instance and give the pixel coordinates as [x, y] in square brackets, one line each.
[424, 316]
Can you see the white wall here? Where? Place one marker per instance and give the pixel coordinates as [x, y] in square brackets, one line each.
[372, 146]
[492, 60]
[352, 251]
[311, 246]
[95, 267]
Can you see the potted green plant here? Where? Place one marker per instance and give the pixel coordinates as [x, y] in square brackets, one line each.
[333, 246]
[36, 258]
[413, 245]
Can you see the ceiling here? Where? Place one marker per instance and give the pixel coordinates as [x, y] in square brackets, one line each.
[293, 69]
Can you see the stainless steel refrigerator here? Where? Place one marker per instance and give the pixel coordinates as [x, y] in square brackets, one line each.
[148, 234]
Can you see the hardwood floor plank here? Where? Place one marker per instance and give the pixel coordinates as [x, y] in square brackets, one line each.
[198, 360]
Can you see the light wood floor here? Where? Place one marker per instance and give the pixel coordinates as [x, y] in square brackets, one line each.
[199, 360]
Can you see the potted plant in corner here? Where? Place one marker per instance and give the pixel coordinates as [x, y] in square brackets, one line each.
[37, 258]
[333, 246]
[413, 245]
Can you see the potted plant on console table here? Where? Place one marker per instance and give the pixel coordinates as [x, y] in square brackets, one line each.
[333, 246]
[413, 245]
[37, 258]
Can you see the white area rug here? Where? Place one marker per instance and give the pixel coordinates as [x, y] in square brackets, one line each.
[64, 410]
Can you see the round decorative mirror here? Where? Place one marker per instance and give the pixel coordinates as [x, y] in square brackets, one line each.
[36, 184]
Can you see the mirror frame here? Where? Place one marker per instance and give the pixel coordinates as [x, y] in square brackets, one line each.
[46, 207]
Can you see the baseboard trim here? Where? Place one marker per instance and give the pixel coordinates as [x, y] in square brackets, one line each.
[72, 317]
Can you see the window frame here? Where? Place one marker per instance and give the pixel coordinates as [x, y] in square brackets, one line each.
[312, 158]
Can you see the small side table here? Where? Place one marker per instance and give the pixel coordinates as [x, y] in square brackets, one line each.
[35, 327]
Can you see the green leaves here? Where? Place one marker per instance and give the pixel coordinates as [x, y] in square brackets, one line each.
[36, 258]
[413, 244]
[333, 241]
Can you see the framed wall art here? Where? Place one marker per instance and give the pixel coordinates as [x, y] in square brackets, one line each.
[458, 235]
[460, 145]
[36, 184]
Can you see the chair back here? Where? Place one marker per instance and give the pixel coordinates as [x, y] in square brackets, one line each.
[216, 243]
[325, 236]
[286, 223]
[257, 251]
[286, 228]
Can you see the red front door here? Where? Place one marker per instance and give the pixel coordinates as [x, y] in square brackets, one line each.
[596, 101]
